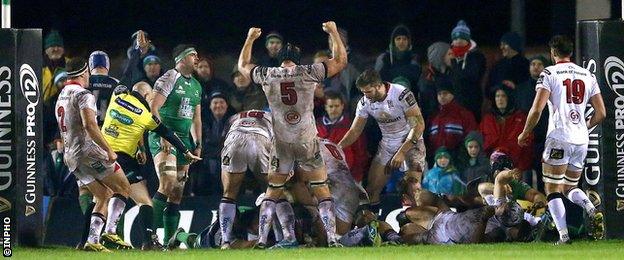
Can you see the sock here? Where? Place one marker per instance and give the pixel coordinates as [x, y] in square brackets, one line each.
[578, 197]
[557, 210]
[354, 237]
[391, 235]
[183, 237]
[85, 200]
[374, 207]
[531, 219]
[227, 213]
[88, 212]
[160, 202]
[116, 206]
[328, 217]
[286, 217]
[146, 214]
[277, 228]
[171, 219]
[266, 216]
[95, 229]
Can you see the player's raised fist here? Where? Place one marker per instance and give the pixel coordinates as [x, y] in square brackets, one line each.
[254, 33]
[329, 27]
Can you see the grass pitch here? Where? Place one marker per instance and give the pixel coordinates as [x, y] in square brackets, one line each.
[610, 249]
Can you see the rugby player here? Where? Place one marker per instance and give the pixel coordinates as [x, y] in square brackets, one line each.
[290, 92]
[177, 104]
[567, 88]
[401, 123]
[128, 116]
[247, 146]
[89, 157]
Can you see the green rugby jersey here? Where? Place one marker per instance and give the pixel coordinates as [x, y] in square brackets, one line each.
[183, 94]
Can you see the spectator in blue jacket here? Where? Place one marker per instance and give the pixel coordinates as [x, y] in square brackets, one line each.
[443, 178]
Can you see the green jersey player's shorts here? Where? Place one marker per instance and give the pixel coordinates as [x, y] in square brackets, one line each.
[154, 146]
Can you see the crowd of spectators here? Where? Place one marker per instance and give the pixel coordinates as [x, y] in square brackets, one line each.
[470, 109]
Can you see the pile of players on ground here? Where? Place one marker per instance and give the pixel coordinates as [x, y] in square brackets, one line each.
[282, 149]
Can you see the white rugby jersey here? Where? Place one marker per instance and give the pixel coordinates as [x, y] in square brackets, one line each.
[252, 121]
[341, 182]
[389, 113]
[570, 87]
[290, 93]
[71, 100]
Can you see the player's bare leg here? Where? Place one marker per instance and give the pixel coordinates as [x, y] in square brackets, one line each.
[318, 184]
[377, 179]
[267, 208]
[554, 187]
[578, 197]
[87, 204]
[119, 185]
[140, 195]
[227, 208]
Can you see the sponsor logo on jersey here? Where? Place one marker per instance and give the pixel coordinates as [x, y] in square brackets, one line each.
[575, 116]
[127, 105]
[112, 131]
[556, 154]
[226, 160]
[124, 119]
[292, 117]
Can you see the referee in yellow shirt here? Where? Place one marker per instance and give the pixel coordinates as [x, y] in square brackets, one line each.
[127, 118]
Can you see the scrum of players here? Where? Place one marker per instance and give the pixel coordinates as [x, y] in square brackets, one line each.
[311, 198]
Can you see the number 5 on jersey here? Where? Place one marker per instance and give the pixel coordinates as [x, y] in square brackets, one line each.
[289, 95]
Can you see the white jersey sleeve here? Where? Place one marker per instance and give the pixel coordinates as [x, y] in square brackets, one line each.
[164, 84]
[407, 100]
[363, 108]
[85, 99]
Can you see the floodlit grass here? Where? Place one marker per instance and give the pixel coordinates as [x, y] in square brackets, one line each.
[611, 249]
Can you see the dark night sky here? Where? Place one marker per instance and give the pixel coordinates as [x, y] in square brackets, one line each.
[220, 26]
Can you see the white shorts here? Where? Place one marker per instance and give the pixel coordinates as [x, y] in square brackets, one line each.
[93, 166]
[242, 151]
[414, 159]
[558, 152]
[306, 155]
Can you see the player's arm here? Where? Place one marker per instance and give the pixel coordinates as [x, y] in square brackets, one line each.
[599, 111]
[171, 137]
[90, 125]
[339, 60]
[354, 132]
[244, 60]
[417, 124]
[196, 130]
[157, 102]
[538, 198]
[534, 115]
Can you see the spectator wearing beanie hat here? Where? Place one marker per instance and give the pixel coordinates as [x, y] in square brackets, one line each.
[502, 126]
[513, 68]
[467, 68]
[152, 67]
[443, 177]
[399, 59]
[439, 59]
[451, 123]
[472, 162]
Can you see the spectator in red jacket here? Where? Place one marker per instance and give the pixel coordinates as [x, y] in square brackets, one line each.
[451, 123]
[502, 126]
[334, 125]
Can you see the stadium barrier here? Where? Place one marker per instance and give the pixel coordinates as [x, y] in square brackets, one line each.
[599, 49]
[21, 145]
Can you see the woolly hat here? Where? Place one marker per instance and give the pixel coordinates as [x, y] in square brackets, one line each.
[442, 151]
[513, 40]
[151, 59]
[461, 31]
[53, 38]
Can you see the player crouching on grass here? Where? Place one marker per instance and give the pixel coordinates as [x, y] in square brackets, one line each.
[127, 118]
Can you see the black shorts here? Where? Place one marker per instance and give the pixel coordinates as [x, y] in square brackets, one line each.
[131, 168]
